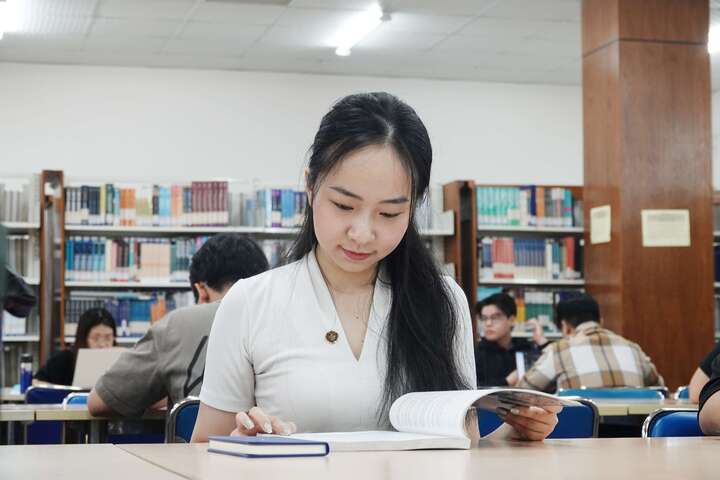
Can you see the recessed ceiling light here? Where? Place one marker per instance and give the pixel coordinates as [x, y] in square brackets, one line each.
[357, 28]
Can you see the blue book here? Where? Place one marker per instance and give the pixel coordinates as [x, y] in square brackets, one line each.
[267, 446]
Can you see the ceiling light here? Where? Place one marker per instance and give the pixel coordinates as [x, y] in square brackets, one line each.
[3, 18]
[357, 28]
[8, 16]
[714, 39]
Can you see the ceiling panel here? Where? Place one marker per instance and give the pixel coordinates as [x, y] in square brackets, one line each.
[216, 48]
[424, 23]
[222, 31]
[335, 4]
[239, 14]
[124, 27]
[389, 41]
[447, 7]
[469, 44]
[125, 45]
[145, 9]
[488, 40]
[295, 38]
[55, 43]
[55, 8]
[537, 9]
[327, 20]
[49, 25]
[504, 27]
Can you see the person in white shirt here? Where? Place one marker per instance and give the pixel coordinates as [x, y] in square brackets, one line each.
[363, 314]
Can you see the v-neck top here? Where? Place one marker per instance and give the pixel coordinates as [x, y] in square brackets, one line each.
[267, 348]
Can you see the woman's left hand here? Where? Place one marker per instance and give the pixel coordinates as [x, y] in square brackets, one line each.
[530, 423]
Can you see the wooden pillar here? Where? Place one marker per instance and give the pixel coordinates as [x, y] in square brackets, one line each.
[646, 109]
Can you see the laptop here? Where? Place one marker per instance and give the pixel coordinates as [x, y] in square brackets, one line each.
[91, 363]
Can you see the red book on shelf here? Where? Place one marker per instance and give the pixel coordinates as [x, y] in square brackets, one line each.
[570, 252]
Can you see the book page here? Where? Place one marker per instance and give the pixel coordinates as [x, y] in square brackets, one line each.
[382, 441]
[509, 398]
[444, 413]
[436, 413]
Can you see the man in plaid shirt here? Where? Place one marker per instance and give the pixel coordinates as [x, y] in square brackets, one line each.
[589, 355]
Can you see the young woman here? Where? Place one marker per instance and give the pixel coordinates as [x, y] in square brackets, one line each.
[363, 315]
[96, 329]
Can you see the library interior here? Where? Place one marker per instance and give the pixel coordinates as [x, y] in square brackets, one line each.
[409, 238]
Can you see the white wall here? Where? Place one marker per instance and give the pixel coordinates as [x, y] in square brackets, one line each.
[127, 122]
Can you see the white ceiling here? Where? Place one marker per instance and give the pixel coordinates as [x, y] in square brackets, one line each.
[528, 41]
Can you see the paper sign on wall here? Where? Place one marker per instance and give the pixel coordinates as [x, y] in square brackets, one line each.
[665, 228]
[600, 224]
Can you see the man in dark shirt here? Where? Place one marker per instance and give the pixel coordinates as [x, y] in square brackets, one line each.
[495, 355]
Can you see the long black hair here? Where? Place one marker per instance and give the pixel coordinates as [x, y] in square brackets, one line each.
[92, 318]
[422, 326]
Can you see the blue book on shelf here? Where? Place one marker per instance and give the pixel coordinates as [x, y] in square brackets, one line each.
[267, 446]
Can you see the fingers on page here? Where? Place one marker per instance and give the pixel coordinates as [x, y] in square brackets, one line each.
[262, 421]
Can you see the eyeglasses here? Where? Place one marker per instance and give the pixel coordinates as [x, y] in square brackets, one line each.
[494, 318]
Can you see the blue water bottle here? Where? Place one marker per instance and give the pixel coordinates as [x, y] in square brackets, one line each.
[26, 365]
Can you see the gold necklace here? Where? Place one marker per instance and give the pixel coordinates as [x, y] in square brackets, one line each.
[331, 336]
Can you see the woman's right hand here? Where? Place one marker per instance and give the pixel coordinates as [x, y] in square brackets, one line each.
[255, 421]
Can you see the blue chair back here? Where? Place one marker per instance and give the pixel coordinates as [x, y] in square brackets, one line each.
[46, 432]
[682, 393]
[619, 393]
[80, 398]
[181, 420]
[672, 422]
[580, 421]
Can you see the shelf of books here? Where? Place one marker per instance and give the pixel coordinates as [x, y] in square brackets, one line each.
[128, 245]
[526, 240]
[20, 215]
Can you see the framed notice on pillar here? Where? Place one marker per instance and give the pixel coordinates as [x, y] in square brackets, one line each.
[600, 224]
[665, 228]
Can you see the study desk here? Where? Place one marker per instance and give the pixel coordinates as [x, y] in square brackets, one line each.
[621, 408]
[80, 413]
[11, 413]
[596, 458]
[8, 395]
[69, 413]
[77, 462]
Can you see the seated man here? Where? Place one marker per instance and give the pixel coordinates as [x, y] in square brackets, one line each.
[169, 361]
[702, 374]
[709, 414]
[589, 355]
[495, 360]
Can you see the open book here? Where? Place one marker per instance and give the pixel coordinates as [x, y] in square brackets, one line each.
[431, 420]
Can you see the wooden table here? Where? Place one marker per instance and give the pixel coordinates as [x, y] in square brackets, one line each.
[76, 462]
[597, 458]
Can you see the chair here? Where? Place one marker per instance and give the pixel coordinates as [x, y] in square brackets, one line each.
[181, 420]
[672, 422]
[46, 432]
[77, 398]
[580, 421]
[623, 393]
[682, 393]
